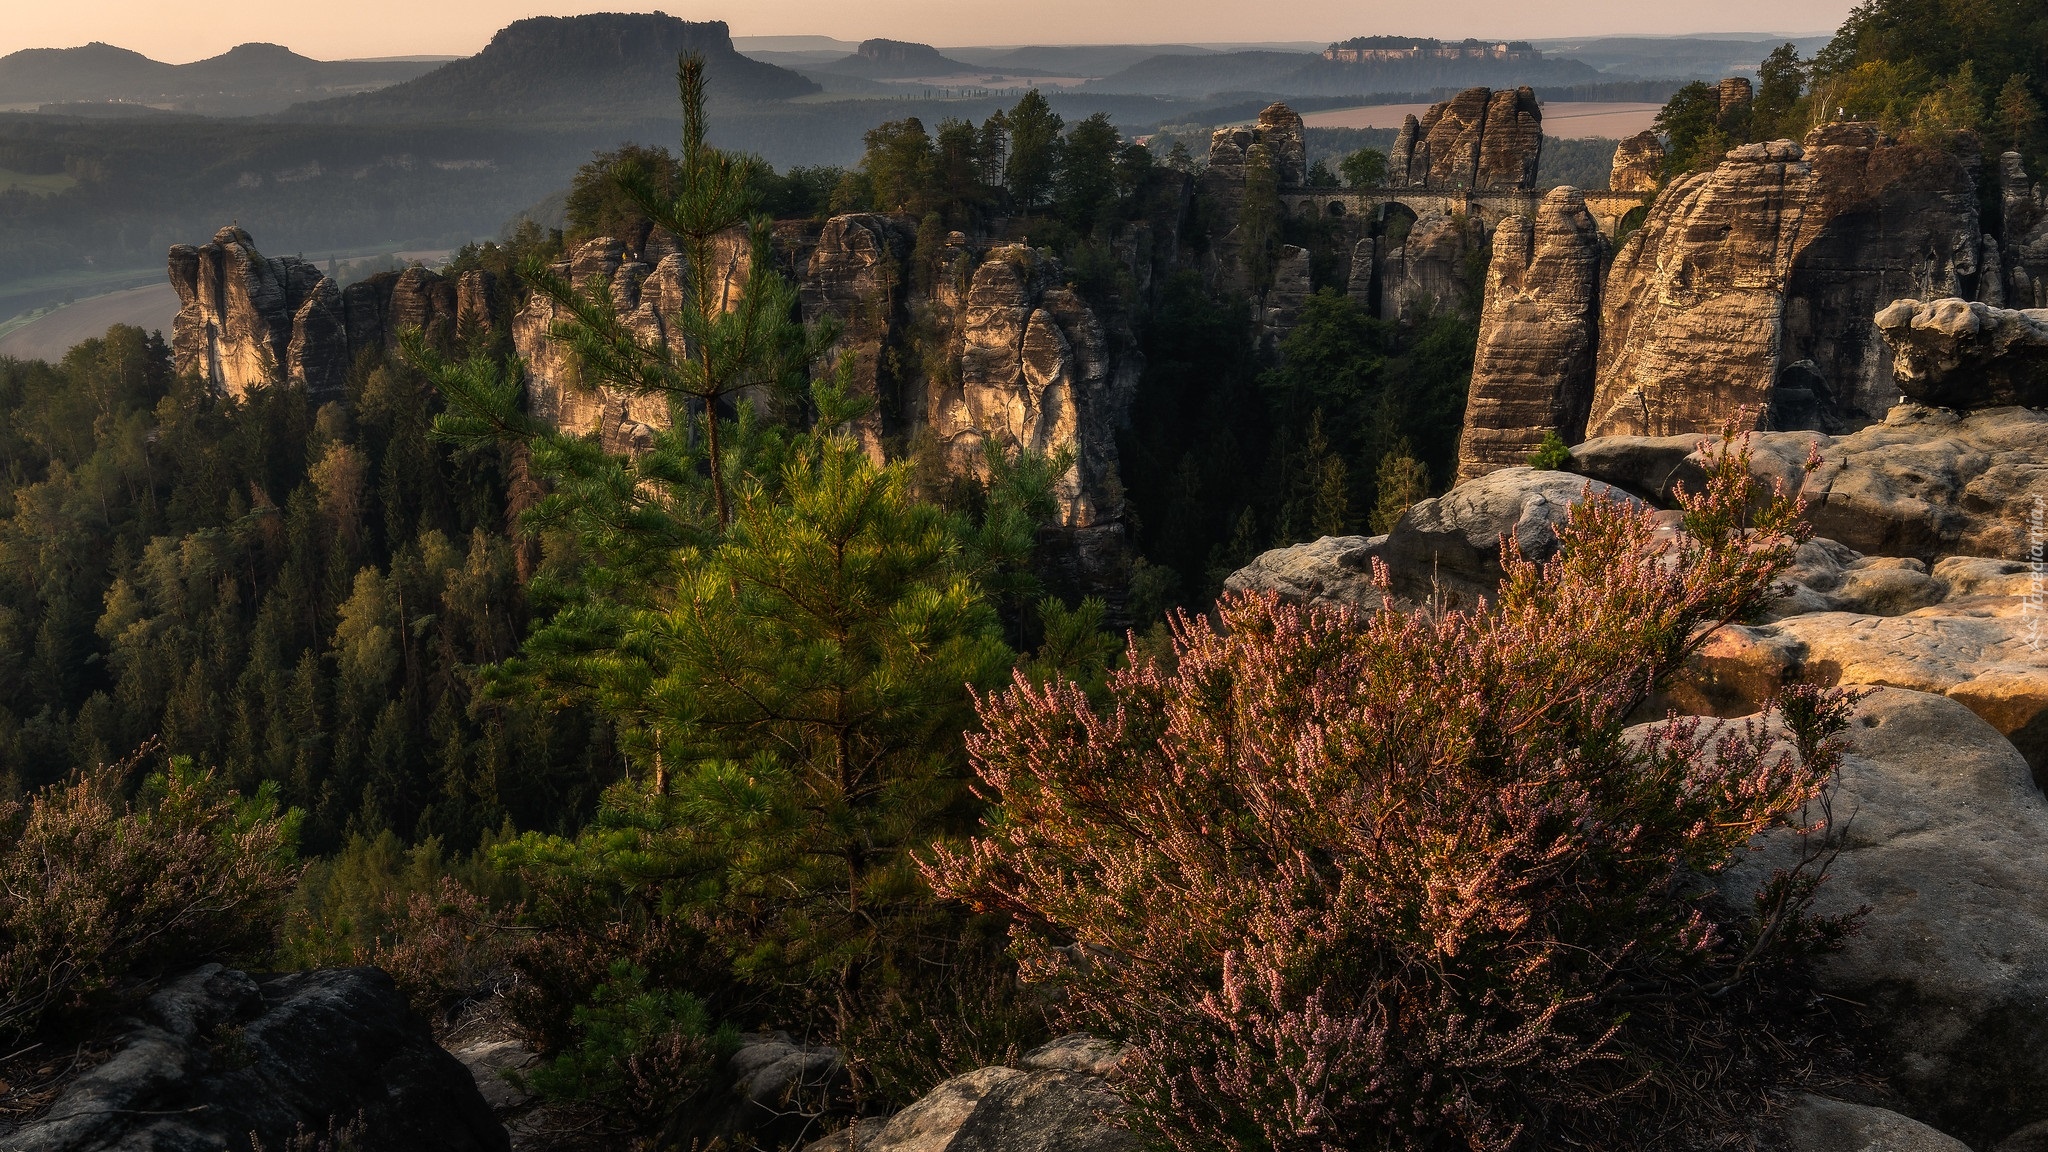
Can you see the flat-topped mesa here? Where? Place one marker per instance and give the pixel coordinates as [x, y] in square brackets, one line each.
[1479, 140]
[1967, 355]
[1533, 371]
[1751, 285]
[1638, 164]
[247, 321]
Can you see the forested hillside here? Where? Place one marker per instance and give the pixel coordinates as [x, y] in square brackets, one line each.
[298, 596]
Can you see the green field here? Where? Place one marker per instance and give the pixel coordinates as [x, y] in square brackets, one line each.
[41, 184]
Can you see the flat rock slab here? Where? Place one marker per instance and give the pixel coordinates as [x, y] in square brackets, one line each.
[1945, 842]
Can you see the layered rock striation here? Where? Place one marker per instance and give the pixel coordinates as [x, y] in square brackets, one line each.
[246, 320]
[1751, 285]
[991, 351]
[1479, 140]
[1539, 325]
[1638, 164]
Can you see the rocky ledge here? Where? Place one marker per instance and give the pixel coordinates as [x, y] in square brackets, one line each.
[1956, 353]
[218, 1058]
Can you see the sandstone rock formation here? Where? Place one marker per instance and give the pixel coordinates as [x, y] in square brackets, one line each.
[1280, 129]
[1750, 285]
[1446, 548]
[1533, 370]
[1421, 263]
[1926, 483]
[1278, 132]
[1036, 370]
[647, 296]
[1818, 1124]
[1638, 164]
[1735, 93]
[216, 1055]
[1961, 354]
[249, 321]
[1059, 1099]
[1478, 140]
[246, 320]
[856, 274]
[1945, 840]
[1961, 629]
[2023, 214]
[997, 351]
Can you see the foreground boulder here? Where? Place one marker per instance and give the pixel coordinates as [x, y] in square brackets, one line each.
[1058, 1099]
[1945, 840]
[1818, 1124]
[1957, 353]
[1964, 628]
[1926, 483]
[217, 1056]
[1446, 548]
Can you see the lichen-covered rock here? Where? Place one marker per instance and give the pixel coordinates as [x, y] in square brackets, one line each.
[1638, 164]
[1818, 1124]
[1750, 286]
[216, 1056]
[1059, 1100]
[1945, 841]
[1533, 371]
[1962, 354]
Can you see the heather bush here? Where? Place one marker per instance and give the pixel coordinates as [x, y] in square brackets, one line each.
[1397, 880]
[94, 887]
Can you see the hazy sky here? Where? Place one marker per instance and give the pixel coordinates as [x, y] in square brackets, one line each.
[331, 29]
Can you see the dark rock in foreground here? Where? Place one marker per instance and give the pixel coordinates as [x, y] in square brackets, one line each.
[217, 1056]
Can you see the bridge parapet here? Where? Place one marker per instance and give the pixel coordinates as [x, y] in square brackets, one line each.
[1609, 209]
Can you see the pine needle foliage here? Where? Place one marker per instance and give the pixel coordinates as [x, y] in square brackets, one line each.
[811, 687]
[1391, 881]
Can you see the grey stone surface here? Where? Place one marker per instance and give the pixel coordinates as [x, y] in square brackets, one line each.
[216, 1055]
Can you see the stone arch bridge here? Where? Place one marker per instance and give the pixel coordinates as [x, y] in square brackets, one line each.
[1369, 205]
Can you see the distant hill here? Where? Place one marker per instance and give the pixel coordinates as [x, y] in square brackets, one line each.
[896, 60]
[1678, 57]
[607, 65]
[246, 80]
[1303, 74]
[1203, 75]
[1071, 59]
